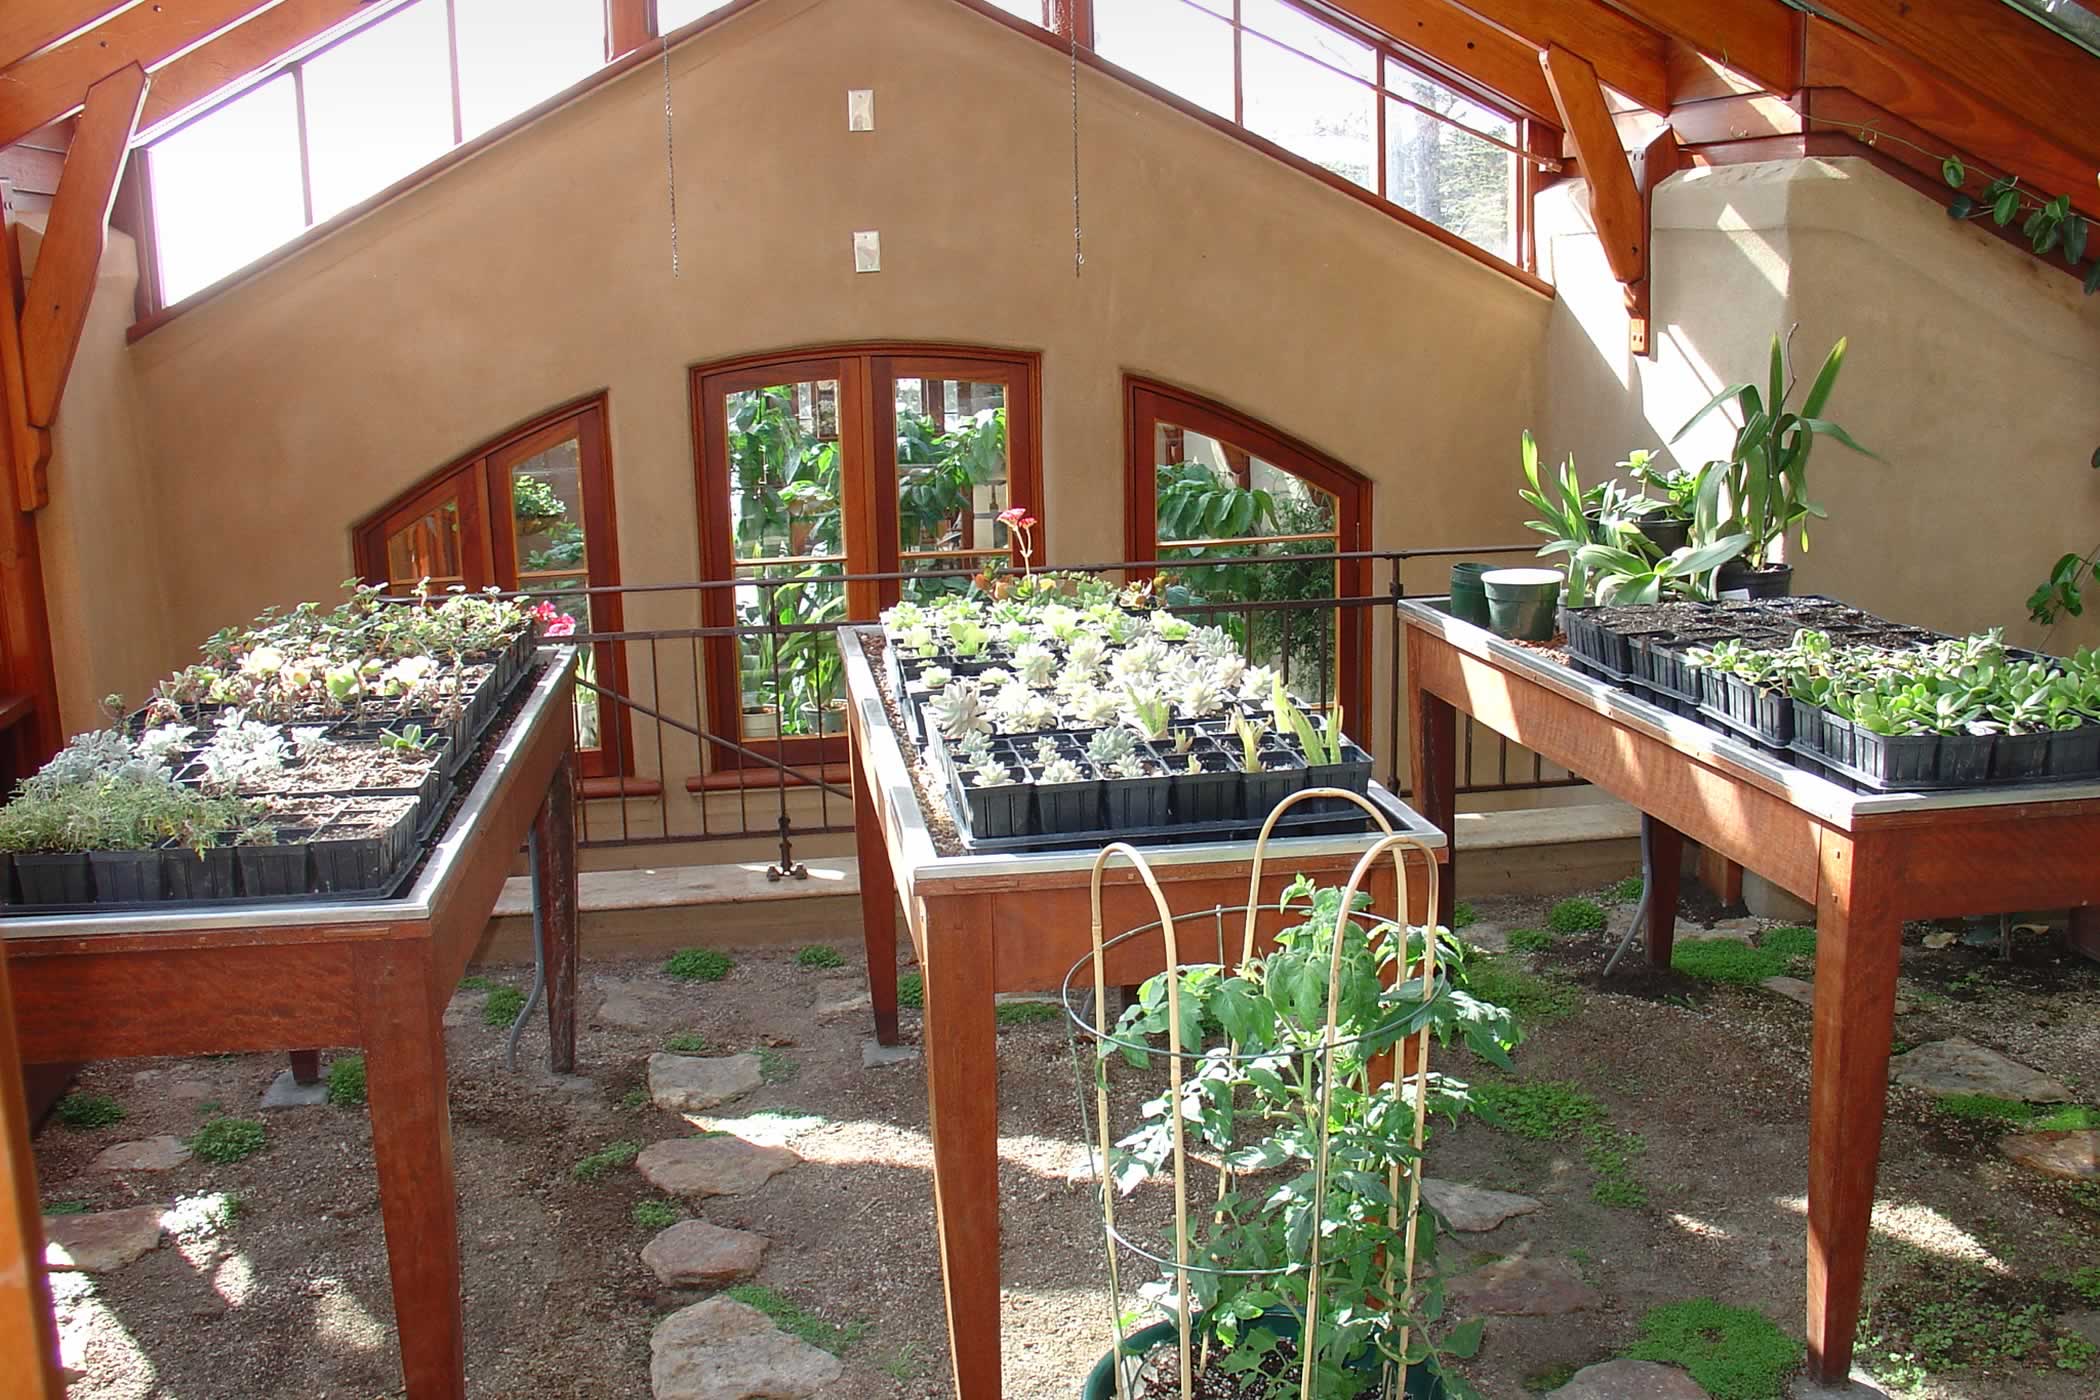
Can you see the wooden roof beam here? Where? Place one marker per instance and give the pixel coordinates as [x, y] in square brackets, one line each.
[54, 83]
[241, 52]
[1500, 62]
[29, 25]
[30, 447]
[2038, 76]
[1760, 39]
[1623, 52]
[1617, 206]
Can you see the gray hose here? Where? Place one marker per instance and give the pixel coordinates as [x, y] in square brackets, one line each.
[539, 958]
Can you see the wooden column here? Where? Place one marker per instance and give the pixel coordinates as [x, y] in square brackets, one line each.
[556, 896]
[1662, 861]
[28, 1335]
[1859, 935]
[1432, 729]
[878, 897]
[962, 1088]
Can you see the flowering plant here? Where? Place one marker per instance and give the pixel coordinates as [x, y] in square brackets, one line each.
[1022, 524]
[552, 622]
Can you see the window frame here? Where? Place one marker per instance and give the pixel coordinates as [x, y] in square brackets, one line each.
[1148, 403]
[489, 555]
[867, 375]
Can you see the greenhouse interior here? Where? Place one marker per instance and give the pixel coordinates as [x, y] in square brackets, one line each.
[1061, 699]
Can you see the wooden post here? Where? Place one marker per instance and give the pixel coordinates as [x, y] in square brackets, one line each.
[28, 1335]
[878, 897]
[1432, 728]
[1662, 859]
[962, 1087]
[1859, 936]
[1722, 877]
[306, 1066]
[554, 887]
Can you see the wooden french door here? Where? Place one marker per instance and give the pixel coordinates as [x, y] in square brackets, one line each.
[889, 464]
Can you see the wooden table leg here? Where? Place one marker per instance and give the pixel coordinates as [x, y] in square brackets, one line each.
[401, 1026]
[962, 1085]
[28, 1334]
[1859, 937]
[554, 887]
[1662, 864]
[1432, 726]
[878, 906]
[2084, 935]
[306, 1066]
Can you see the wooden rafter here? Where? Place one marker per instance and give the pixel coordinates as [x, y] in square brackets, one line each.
[239, 53]
[1615, 200]
[29, 448]
[54, 83]
[70, 259]
[2038, 76]
[1760, 39]
[29, 25]
[1465, 44]
[627, 26]
[1625, 53]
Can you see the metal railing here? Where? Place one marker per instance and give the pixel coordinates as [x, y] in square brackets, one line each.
[667, 769]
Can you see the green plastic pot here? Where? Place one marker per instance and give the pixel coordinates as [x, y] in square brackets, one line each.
[1469, 602]
[1522, 603]
[1422, 1383]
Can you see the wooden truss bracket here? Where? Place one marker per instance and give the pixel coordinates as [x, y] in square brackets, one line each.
[1661, 158]
[29, 447]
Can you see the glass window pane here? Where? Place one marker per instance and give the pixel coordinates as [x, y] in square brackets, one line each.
[674, 14]
[378, 105]
[1030, 10]
[784, 488]
[225, 188]
[1296, 29]
[1419, 87]
[1313, 111]
[1451, 178]
[426, 547]
[951, 468]
[790, 681]
[507, 65]
[546, 500]
[1183, 50]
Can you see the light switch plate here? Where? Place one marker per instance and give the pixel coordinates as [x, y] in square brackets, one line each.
[867, 251]
[860, 109]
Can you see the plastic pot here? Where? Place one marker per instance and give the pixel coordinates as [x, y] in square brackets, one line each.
[53, 879]
[1066, 807]
[1965, 759]
[2074, 753]
[1212, 795]
[1422, 1383]
[1135, 804]
[1772, 581]
[1260, 792]
[1666, 533]
[126, 877]
[272, 870]
[209, 874]
[1468, 599]
[2020, 758]
[1522, 603]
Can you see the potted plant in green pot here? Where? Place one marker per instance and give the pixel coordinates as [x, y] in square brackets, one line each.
[1765, 475]
[1310, 1266]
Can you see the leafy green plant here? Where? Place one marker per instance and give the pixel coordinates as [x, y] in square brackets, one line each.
[1321, 743]
[66, 1208]
[911, 990]
[1576, 916]
[698, 965]
[1463, 916]
[1544, 1110]
[1530, 996]
[346, 1081]
[1628, 890]
[686, 1043]
[1626, 576]
[1529, 940]
[1565, 509]
[226, 1140]
[502, 1007]
[1726, 960]
[79, 1110]
[819, 955]
[1027, 1013]
[1765, 476]
[1733, 1353]
[596, 1166]
[656, 1214]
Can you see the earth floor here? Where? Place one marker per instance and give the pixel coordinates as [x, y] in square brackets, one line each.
[1974, 1272]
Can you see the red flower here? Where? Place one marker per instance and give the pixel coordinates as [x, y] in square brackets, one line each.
[552, 623]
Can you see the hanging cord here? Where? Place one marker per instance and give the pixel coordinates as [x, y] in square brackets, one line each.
[1072, 36]
[671, 156]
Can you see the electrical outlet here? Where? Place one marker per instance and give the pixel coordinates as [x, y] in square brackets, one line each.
[867, 251]
[860, 109]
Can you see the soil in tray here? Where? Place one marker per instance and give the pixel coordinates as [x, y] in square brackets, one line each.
[347, 767]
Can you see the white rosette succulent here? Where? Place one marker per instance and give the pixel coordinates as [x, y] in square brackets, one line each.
[959, 709]
[1061, 770]
[1093, 708]
[1035, 665]
[934, 677]
[1258, 683]
[1169, 628]
[1213, 643]
[1086, 651]
[1198, 696]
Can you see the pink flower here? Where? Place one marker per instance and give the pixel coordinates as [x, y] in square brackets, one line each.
[1017, 518]
[552, 623]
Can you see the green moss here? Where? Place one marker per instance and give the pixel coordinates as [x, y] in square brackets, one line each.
[1545, 1110]
[1610, 1154]
[636, 1097]
[1530, 996]
[698, 965]
[1463, 915]
[89, 1111]
[911, 990]
[656, 1215]
[797, 1321]
[503, 1007]
[1733, 1353]
[775, 1067]
[1789, 942]
[66, 1208]
[1026, 1013]
[2085, 1283]
[476, 984]
[1529, 940]
[346, 1081]
[2068, 1118]
[229, 1139]
[1576, 916]
[1627, 891]
[605, 1161]
[1725, 960]
[1986, 1109]
[1551, 1379]
[686, 1043]
[819, 955]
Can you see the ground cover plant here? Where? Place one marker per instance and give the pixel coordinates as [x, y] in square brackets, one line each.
[1733, 1353]
[78, 1110]
[1557, 1111]
[226, 1140]
[346, 1081]
[819, 955]
[698, 965]
[1575, 916]
[1778, 952]
[502, 1007]
[797, 1321]
[596, 1166]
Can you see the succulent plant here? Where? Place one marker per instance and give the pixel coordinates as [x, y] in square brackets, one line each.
[959, 709]
[1086, 651]
[1213, 643]
[1093, 708]
[1257, 684]
[993, 774]
[934, 677]
[1061, 770]
[1111, 747]
[1035, 665]
[1198, 696]
[1170, 628]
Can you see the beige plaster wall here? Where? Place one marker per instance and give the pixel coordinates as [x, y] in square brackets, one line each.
[99, 537]
[540, 270]
[1970, 370]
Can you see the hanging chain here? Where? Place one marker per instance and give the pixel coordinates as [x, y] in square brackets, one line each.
[670, 155]
[1072, 34]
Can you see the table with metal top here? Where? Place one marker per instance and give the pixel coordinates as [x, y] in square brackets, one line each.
[1866, 861]
[375, 974]
[985, 924]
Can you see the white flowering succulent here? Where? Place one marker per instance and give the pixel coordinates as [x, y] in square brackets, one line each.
[1228, 671]
[959, 710]
[1040, 712]
[263, 661]
[405, 675]
[1035, 665]
[920, 641]
[242, 750]
[1137, 664]
[1112, 749]
[1011, 634]
[992, 773]
[1060, 622]
[994, 677]
[1092, 708]
[158, 745]
[1122, 628]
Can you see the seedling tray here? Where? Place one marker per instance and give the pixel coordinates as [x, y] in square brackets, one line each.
[218, 863]
[1296, 822]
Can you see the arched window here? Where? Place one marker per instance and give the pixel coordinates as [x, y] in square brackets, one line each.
[865, 460]
[1207, 483]
[532, 511]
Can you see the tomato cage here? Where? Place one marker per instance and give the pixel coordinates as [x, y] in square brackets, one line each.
[1299, 1075]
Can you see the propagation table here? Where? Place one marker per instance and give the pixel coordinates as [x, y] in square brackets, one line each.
[981, 925]
[1867, 862]
[375, 974]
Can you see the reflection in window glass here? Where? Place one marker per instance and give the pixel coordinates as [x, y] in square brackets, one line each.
[378, 105]
[546, 506]
[426, 548]
[506, 65]
[1451, 178]
[1299, 30]
[225, 188]
[1182, 49]
[674, 14]
[1031, 10]
[1312, 111]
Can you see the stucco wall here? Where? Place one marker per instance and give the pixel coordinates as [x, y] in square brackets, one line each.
[1970, 370]
[540, 270]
